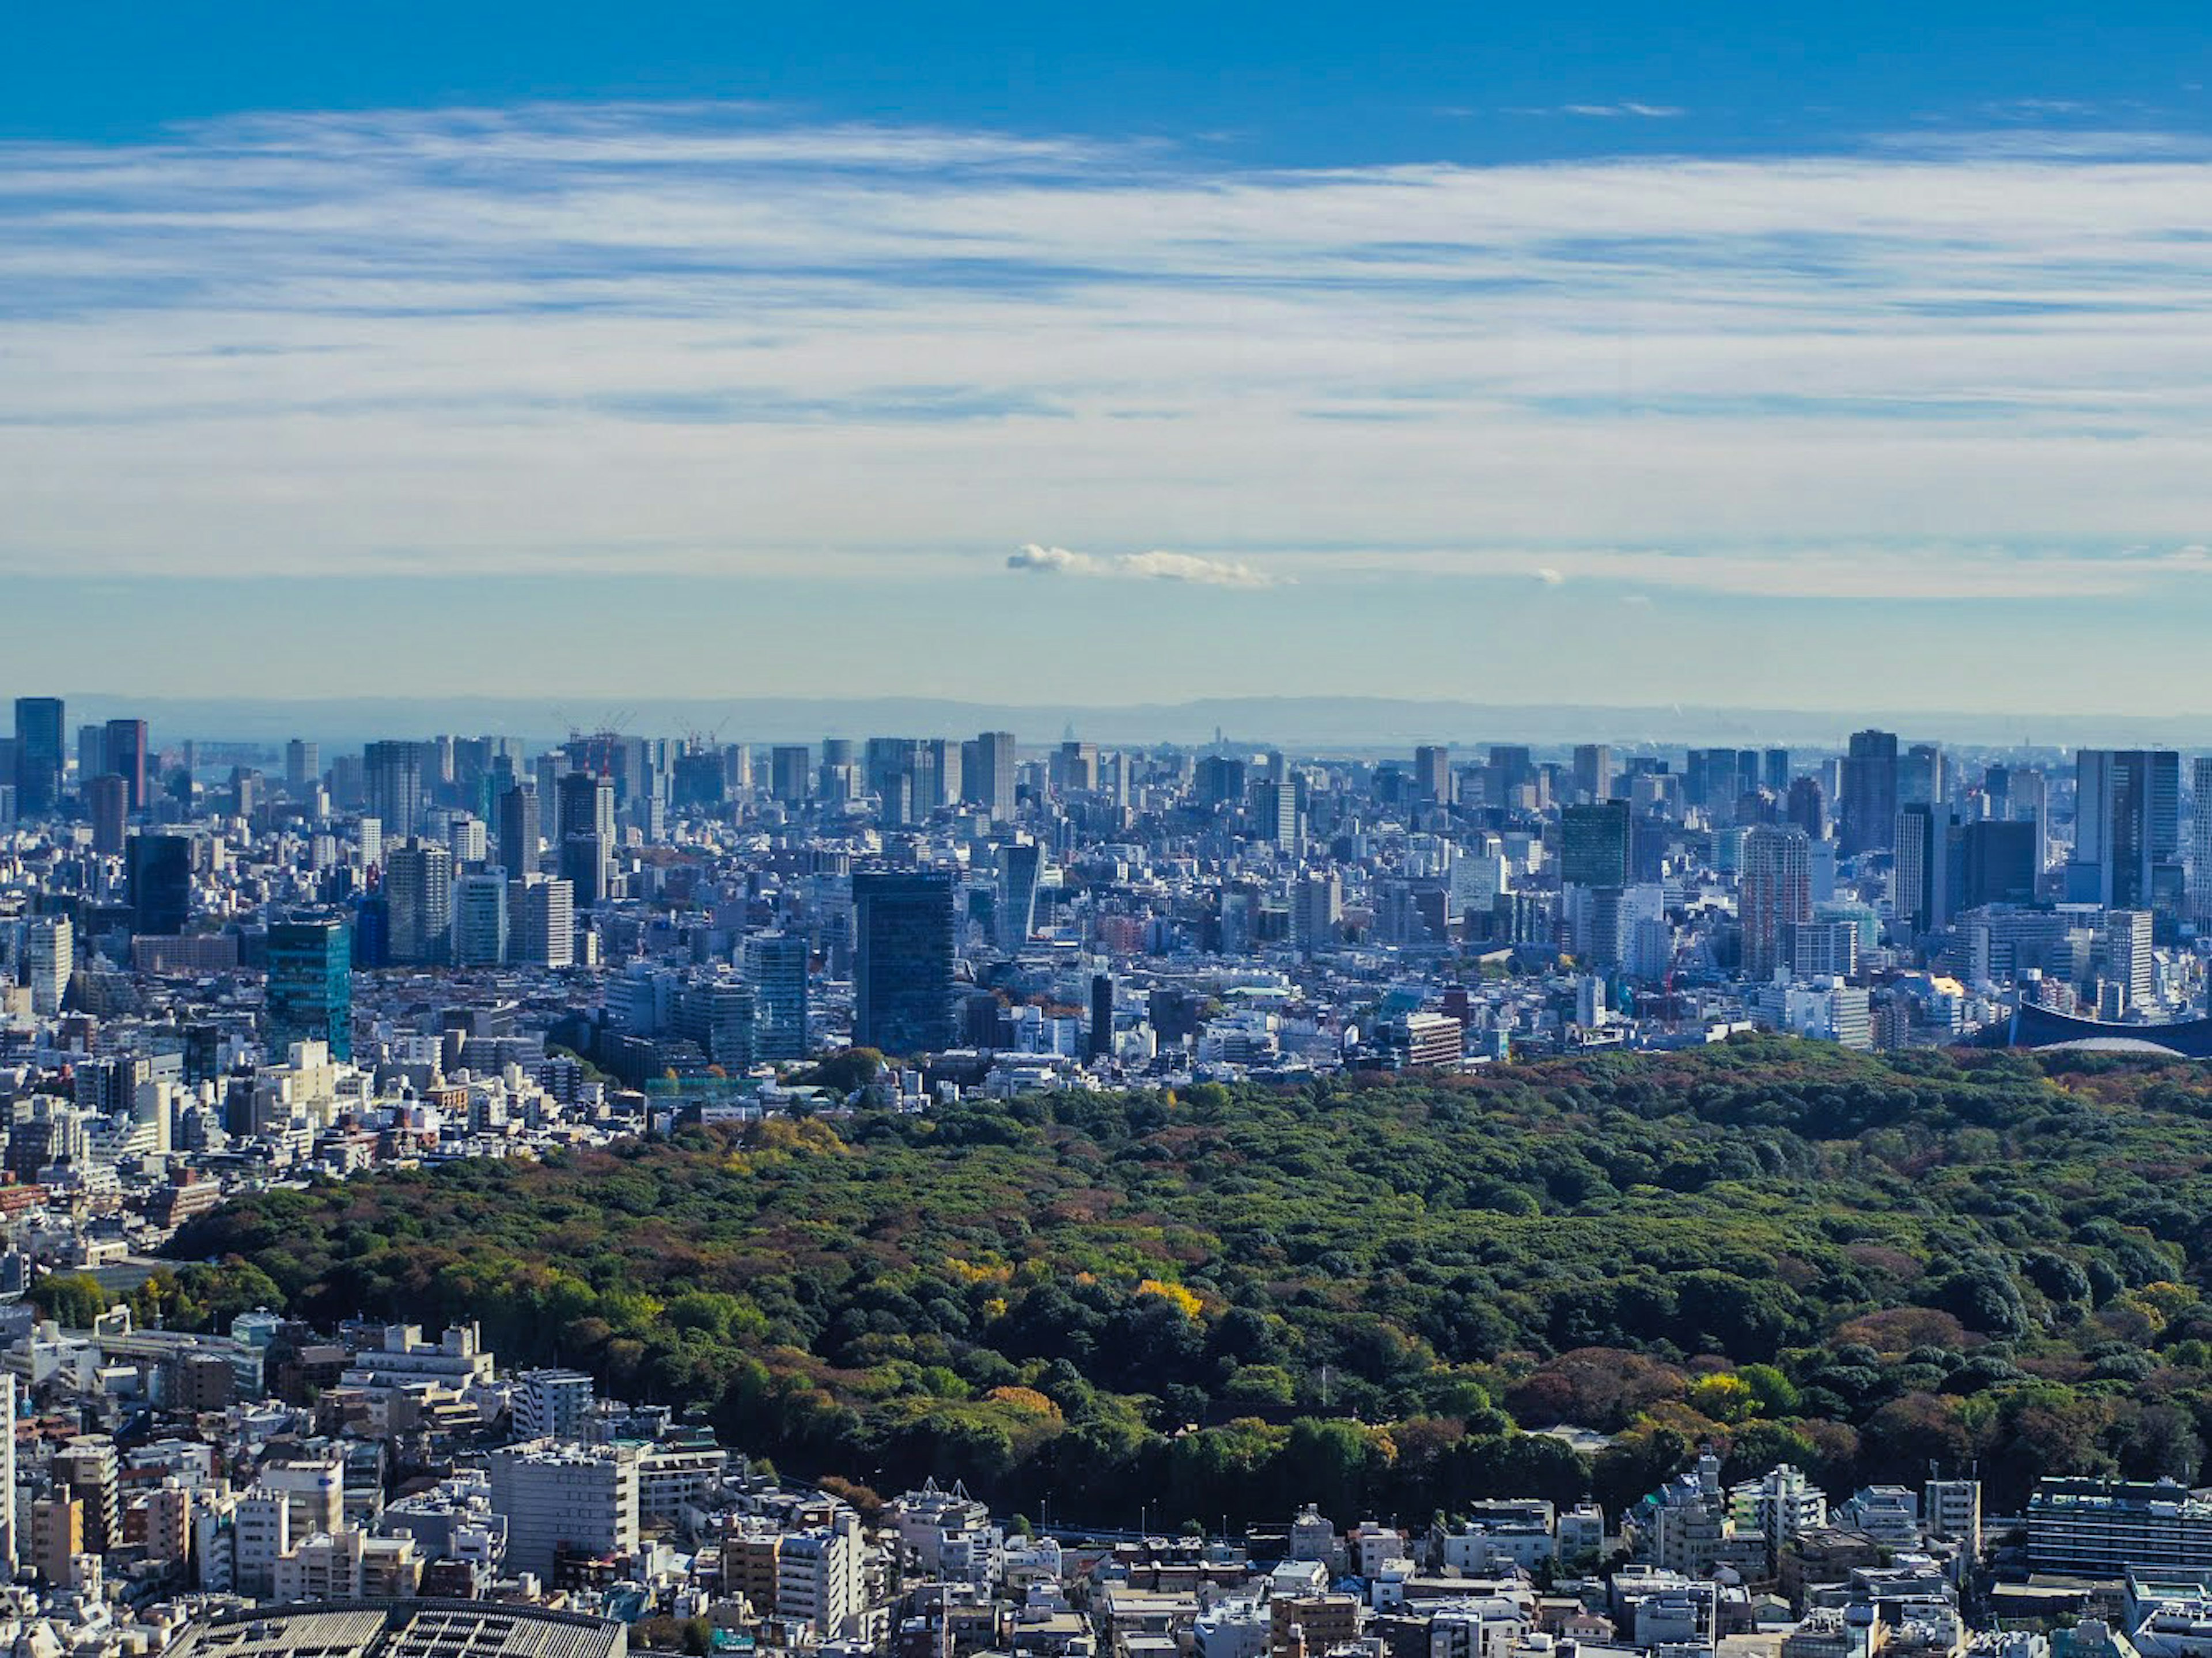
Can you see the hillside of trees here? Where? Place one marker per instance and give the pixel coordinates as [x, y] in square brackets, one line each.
[1216, 1303]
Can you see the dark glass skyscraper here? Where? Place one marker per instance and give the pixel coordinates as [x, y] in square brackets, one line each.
[519, 831]
[37, 777]
[902, 977]
[1869, 801]
[158, 870]
[127, 758]
[310, 997]
[1594, 845]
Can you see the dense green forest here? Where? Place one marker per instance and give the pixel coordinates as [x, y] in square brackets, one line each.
[1222, 1301]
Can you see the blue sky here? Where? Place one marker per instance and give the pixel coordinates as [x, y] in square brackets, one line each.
[1614, 354]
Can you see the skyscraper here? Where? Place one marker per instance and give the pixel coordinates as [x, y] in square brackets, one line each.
[902, 972]
[936, 776]
[789, 777]
[1015, 909]
[1432, 774]
[310, 994]
[1100, 1043]
[587, 807]
[1275, 816]
[1777, 771]
[2127, 829]
[91, 752]
[418, 890]
[1999, 864]
[1869, 793]
[1922, 896]
[993, 788]
[518, 830]
[303, 765]
[392, 775]
[1511, 767]
[1921, 778]
[2200, 841]
[1808, 807]
[124, 743]
[480, 919]
[1594, 845]
[542, 921]
[107, 803]
[1774, 893]
[1594, 771]
[775, 968]
[39, 757]
[157, 872]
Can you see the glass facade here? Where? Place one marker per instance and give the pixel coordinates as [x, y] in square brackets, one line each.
[310, 998]
[904, 973]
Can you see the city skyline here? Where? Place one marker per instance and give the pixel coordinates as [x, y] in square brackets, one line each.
[479, 355]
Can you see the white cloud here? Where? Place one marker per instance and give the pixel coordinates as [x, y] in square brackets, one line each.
[551, 340]
[1139, 566]
[1548, 576]
[1614, 112]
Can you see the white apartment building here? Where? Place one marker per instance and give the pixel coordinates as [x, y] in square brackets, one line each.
[556, 1496]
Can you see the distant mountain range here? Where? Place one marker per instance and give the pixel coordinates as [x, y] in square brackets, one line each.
[1346, 724]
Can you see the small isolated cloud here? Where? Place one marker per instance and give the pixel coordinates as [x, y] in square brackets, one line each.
[1640, 600]
[1616, 111]
[1186, 567]
[1548, 576]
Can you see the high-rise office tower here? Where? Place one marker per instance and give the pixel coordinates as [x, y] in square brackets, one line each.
[123, 748]
[157, 872]
[775, 968]
[586, 864]
[1275, 815]
[303, 765]
[91, 752]
[49, 959]
[2124, 949]
[1808, 807]
[587, 807]
[1220, 780]
[39, 754]
[2127, 829]
[1777, 771]
[418, 892]
[1432, 774]
[1075, 767]
[396, 788]
[1594, 845]
[1923, 887]
[1593, 772]
[310, 994]
[542, 916]
[992, 787]
[107, 803]
[790, 778]
[1015, 909]
[1101, 1043]
[1316, 907]
[1511, 767]
[1869, 793]
[1921, 778]
[940, 759]
[1774, 894]
[1998, 864]
[518, 830]
[903, 970]
[480, 919]
[2200, 842]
